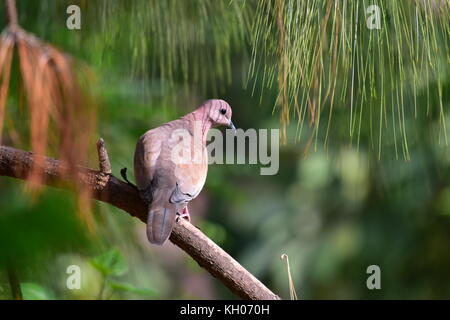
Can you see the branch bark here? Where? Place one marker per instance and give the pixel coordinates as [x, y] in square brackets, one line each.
[107, 188]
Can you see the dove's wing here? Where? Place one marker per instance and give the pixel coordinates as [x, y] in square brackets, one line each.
[148, 149]
[155, 181]
[166, 180]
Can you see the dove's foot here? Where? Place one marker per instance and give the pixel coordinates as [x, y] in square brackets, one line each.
[185, 214]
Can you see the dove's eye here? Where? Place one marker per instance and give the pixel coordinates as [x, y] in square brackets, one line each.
[223, 111]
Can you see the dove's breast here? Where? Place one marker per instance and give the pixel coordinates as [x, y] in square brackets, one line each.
[170, 155]
[190, 163]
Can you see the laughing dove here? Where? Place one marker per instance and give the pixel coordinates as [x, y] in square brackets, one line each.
[170, 165]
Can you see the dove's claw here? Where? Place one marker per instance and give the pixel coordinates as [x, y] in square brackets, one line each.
[185, 214]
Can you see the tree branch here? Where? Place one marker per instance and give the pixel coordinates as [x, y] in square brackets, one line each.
[107, 188]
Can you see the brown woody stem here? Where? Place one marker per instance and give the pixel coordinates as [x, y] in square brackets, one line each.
[107, 188]
[103, 158]
[14, 282]
[12, 12]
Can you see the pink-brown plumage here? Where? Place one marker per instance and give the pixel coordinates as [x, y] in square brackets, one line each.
[168, 176]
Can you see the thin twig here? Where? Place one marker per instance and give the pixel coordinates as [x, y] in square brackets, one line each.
[14, 282]
[102, 289]
[12, 12]
[103, 158]
[292, 292]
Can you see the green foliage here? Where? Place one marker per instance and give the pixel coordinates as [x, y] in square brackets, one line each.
[323, 57]
[113, 264]
[175, 41]
[33, 291]
[350, 83]
[110, 263]
[346, 205]
[123, 286]
[214, 231]
[326, 66]
[28, 228]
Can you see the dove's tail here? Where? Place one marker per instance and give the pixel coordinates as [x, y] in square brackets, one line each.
[160, 222]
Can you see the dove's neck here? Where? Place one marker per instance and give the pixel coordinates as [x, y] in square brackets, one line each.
[199, 123]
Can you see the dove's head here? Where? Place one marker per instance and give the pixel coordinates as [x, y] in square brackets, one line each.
[218, 112]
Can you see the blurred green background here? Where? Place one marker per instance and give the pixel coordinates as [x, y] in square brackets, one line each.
[334, 209]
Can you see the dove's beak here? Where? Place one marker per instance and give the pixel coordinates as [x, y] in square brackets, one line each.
[231, 125]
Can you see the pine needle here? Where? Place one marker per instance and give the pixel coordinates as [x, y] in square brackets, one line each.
[292, 292]
[60, 111]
